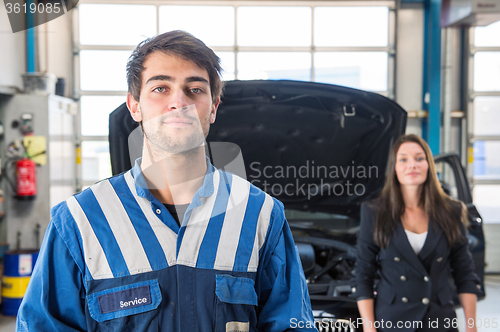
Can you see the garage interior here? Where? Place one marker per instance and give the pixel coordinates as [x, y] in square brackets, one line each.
[438, 59]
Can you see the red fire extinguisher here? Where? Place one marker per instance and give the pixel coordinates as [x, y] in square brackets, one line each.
[26, 178]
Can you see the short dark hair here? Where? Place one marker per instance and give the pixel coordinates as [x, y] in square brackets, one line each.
[179, 43]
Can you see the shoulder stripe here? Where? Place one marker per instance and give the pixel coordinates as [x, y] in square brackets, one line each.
[233, 220]
[208, 248]
[260, 235]
[249, 229]
[103, 232]
[166, 237]
[122, 228]
[196, 227]
[95, 258]
[150, 243]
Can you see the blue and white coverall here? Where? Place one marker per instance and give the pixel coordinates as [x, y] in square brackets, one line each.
[114, 259]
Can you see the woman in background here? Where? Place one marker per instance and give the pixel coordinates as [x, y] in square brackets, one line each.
[413, 236]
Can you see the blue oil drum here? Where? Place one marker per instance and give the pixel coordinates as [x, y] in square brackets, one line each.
[18, 266]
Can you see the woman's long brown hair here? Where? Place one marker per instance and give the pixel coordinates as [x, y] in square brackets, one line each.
[442, 210]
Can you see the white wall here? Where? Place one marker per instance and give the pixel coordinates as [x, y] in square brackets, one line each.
[59, 51]
[13, 54]
[409, 62]
[409, 69]
[54, 39]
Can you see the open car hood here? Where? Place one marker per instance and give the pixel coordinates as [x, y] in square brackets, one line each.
[316, 147]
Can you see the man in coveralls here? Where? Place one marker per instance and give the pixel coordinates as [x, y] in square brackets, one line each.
[173, 244]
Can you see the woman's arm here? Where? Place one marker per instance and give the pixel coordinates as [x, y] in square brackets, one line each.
[467, 282]
[367, 314]
[468, 302]
[366, 267]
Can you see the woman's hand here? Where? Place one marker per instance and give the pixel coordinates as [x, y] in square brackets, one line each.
[367, 328]
[367, 314]
[471, 329]
[468, 302]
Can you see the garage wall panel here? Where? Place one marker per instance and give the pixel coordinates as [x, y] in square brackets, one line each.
[12, 56]
[410, 39]
[409, 62]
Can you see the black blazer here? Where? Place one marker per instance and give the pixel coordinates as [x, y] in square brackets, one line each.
[412, 288]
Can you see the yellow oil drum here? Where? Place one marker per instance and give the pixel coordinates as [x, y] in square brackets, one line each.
[18, 266]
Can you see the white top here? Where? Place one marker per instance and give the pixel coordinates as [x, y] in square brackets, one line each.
[416, 240]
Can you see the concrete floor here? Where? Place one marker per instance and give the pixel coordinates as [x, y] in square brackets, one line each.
[487, 310]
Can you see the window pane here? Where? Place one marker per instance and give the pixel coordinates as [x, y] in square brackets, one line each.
[274, 65]
[116, 24]
[96, 164]
[351, 26]
[487, 116]
[214, 25]
[62, 160]
[487, 201]
[487, 159]
[227, 63]
[487, 71]
[274, 26]
[95, 113]
[103, 70]
[366, 70]
[488, 35]
[447, 179]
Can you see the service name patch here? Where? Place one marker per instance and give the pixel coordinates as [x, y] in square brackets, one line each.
[125, 299]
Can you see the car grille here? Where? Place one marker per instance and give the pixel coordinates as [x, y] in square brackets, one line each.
[333, 325]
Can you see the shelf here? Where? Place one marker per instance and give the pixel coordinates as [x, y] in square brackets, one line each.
[7, 90]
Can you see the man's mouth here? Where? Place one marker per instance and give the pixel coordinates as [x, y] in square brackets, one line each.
[180, 122]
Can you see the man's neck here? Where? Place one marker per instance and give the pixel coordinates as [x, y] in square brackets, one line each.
[174, 179]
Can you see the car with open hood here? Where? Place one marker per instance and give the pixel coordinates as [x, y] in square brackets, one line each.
[322, 150]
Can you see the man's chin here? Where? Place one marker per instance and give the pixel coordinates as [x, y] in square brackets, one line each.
[184, 149]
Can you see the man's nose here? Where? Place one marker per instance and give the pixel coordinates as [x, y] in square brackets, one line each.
[178, 100]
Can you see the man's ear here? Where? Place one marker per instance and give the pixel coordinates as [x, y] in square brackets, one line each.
[134, 108]
[213, 111]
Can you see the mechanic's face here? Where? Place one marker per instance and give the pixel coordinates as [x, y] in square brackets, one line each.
[411, 164]
[175, 106]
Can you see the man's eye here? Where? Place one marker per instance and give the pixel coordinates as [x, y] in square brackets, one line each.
[196, 90]
[159, 89]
